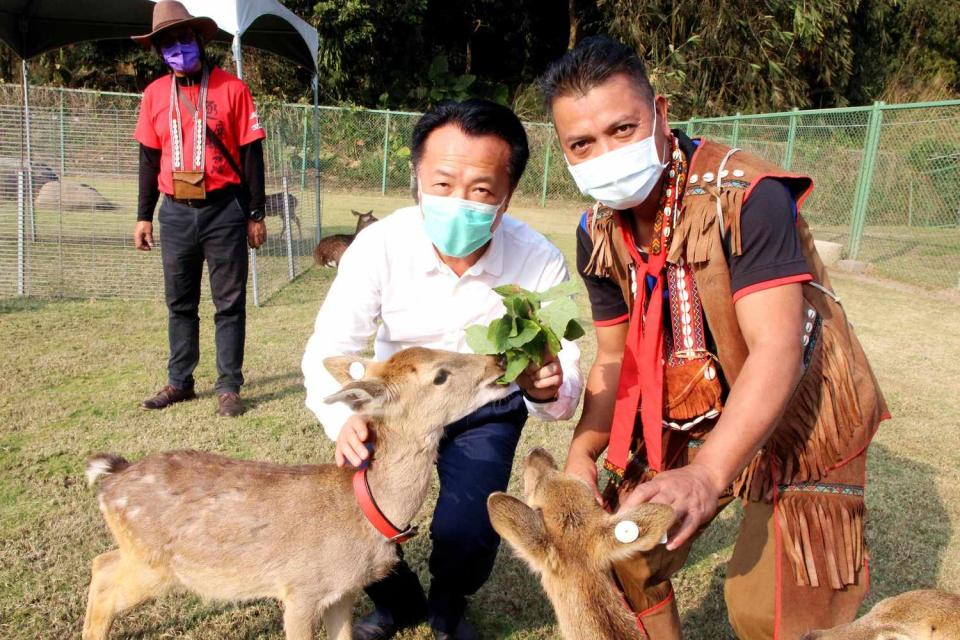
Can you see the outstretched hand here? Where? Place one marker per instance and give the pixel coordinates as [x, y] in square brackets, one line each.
[692, 492]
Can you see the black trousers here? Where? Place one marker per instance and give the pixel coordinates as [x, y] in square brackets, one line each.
[475, 459]
[216, 233]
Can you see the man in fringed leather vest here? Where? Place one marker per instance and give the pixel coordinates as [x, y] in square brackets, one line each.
[726, 367]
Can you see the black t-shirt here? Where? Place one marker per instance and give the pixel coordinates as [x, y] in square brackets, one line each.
[771, 253]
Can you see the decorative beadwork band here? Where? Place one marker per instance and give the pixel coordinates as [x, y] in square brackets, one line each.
[823, 488]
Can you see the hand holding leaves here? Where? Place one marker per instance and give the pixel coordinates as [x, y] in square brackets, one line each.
[528, 328]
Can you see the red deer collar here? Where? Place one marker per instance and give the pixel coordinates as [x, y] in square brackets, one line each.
[361, 491]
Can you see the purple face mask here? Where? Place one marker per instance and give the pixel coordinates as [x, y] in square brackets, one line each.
[183, 57]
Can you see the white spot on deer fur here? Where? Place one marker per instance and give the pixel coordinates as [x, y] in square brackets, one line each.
[148, 479]
[626, 531]
[96, 468]
[120, 502]
[132, 513]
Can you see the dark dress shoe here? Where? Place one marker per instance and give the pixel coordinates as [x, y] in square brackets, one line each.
[229, 404]
[464, 631]
[380, 625]
[167, 396]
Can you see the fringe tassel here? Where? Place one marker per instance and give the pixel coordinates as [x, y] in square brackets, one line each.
[813, 435]
[823, 537]
[602, 225]
[698, 231]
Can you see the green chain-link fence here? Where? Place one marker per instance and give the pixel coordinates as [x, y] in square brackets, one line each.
[887, 184]
[887, 180]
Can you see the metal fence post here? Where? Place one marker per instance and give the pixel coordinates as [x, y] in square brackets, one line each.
[546, 172]
[386, 153]
[286, 223]
[316, 157]
[690, 127]
[735, 138]
[29, 149]
[910, 205]
[791, 140]
[303, 154]
[868, 163]
[256, 280]
[21, 265]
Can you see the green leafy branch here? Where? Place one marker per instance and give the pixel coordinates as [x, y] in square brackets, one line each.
[529, 328]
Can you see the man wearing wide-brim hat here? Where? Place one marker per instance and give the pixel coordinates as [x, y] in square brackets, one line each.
[201, 147]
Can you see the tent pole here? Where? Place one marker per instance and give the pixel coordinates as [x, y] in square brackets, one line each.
[316, 150]
[29, 167]
[238, 61]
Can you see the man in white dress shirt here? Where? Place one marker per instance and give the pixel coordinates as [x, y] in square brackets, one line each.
[420, 277]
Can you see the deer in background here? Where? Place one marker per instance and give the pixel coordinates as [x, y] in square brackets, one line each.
[914, 615]
[273, 207]
[567, 538]
[238, 530]
[330, 249]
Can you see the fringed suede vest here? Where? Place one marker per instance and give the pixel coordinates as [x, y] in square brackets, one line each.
[837, 406]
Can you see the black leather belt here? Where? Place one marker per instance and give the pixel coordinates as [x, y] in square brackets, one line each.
[215, 197]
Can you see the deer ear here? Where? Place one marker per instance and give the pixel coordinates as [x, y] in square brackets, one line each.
[630, 533]
[521, 526]
[346, 369]
[361, 395]
[536, 465]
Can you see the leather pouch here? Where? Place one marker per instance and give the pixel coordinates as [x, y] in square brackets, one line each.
[189, 185]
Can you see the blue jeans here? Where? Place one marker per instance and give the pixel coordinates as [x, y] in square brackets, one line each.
[475, 459]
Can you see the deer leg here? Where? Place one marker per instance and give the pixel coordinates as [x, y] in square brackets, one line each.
[119, 583]
[338, 618]
[298, 619]
[299, 229]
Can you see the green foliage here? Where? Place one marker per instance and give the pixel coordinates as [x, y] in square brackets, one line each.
[709, 58]
[528, 329]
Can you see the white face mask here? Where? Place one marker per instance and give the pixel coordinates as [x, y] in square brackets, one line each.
[622, 178]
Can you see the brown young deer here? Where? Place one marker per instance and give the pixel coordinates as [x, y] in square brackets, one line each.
[330, 249]
[914, 615]
[237, 530]
[566, 537]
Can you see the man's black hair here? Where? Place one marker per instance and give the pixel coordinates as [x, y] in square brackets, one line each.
[592, 62]
[476, 117]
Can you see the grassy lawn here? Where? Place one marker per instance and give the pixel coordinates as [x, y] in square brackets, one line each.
[75, 370]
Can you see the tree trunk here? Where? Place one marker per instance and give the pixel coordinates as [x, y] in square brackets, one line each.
[574, 24]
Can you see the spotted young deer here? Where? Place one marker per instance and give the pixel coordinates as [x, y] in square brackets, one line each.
[914, 615]
[566, 537]
[237, 530]
[330, 249]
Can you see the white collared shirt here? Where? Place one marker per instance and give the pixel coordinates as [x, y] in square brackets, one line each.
[392, 275]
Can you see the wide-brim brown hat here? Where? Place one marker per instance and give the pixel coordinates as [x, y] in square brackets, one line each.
[168, 14]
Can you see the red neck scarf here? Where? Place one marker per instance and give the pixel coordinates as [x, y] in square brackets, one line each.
[641, 374]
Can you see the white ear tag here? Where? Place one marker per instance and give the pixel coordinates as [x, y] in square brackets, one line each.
[626, 531]
[356, 370]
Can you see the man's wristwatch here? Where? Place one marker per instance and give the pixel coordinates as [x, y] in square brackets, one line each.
[257, 215]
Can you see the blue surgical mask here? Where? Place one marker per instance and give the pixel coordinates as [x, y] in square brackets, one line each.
[457, 227]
